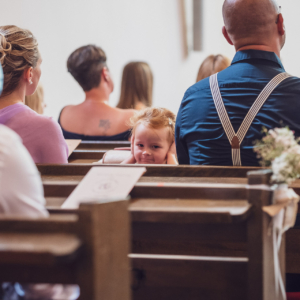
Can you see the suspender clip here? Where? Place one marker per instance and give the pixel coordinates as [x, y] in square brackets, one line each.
[235, 143]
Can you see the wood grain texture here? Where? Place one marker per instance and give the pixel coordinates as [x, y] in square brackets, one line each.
[188, 278]
[153, 170]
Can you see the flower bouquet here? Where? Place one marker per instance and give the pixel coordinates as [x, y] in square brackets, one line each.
[281, 151]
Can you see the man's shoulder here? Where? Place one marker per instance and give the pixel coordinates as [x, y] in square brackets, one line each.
[199, 87]
[292, 81]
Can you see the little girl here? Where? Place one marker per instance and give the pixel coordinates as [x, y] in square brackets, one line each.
[152, 140]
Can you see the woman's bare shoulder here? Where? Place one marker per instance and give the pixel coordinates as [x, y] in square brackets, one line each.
[129, 112]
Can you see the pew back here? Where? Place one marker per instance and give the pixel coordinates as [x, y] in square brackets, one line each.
[197, 240]
[88, 247]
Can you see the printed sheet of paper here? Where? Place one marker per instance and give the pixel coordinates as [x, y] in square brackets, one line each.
[104, 183]
[72, 145]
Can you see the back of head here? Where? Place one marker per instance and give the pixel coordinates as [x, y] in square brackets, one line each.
[251, 20]
[211, 65]
[155, 117]
[137, 85]
[36, 100]
[85, 64]
[18, 51]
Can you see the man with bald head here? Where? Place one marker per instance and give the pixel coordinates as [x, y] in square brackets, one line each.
[220, 117]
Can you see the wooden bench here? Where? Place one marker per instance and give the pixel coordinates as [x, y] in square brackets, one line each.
[86, 156]
[191, 241]
[102, 145]
[174, 174]
[88, 247]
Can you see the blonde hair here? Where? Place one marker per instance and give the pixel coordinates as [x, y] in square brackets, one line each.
[36, 100]
[155, 118]
[137, 85]
[18, 51]
[211, 65]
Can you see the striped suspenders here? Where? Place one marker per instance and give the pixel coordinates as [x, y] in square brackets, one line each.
[236, 139]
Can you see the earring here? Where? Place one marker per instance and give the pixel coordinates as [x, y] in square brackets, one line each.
[30, 82]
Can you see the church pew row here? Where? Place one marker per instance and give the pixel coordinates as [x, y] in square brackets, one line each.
[200, 243]
[57, 192]
[157, 173]
[152, 170]
[68, 249]
[102, 145]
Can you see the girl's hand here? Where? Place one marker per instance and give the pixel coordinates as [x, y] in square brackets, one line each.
[171, 155]
[132, 144]
[131, 158]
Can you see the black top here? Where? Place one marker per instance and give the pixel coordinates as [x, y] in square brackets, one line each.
[123, 136]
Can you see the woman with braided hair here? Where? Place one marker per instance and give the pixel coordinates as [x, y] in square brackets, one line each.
[21, 63]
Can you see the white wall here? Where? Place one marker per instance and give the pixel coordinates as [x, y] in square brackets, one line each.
[128, 30]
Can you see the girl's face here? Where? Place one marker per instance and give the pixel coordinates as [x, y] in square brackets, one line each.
[151, 145]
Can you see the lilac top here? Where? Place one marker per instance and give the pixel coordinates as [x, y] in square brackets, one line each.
[41, 135]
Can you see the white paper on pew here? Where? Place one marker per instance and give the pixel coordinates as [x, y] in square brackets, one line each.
[105, 183]
[72, 145]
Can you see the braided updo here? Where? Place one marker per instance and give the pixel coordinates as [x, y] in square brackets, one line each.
[18, 51]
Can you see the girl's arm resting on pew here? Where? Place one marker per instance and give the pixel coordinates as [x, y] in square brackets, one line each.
[129, 160]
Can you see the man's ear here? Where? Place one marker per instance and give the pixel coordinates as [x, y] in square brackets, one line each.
[225, 33]
[280, 25]
[105, 74]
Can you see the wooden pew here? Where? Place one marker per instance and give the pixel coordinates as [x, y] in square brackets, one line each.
[152, 170]
[155, 173]
[88, 247]
[102, 145]
[86, 156]
[181, 174]
[191, 241]
[175, 174]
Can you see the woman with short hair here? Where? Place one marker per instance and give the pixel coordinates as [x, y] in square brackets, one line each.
[94, 118]
[137, 86]
[21, 63]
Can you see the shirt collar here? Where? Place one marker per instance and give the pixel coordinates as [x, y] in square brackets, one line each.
[256, 54]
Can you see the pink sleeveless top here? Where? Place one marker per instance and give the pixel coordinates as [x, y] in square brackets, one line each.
[41, 135]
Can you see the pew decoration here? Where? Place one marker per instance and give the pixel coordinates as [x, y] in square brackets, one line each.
[281, 151]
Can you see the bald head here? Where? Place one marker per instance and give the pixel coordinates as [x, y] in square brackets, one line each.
[250, 19]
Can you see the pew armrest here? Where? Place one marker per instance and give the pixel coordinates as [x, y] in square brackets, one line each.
[38, 249]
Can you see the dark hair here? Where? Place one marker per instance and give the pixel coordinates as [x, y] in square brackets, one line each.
[85, 64]
[18, 51]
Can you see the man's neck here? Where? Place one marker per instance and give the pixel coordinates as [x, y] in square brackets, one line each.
[259, 47]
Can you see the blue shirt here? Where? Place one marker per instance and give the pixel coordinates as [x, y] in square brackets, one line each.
[199, 135]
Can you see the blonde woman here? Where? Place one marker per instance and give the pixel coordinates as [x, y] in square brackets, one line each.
[21, 63]
[36, 100]
[211, 65]
[137, 86]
